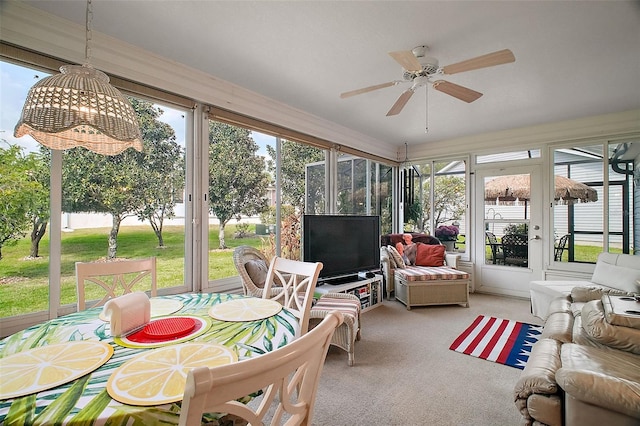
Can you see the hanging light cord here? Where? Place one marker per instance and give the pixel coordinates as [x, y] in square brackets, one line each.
[426, 108]
[88, 33]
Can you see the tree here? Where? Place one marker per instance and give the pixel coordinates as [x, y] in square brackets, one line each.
[448, 200]
[297, 183]
[99, 183]
[19, 191]
[163, 171]
[40, 210]
[295, 157]
[237, 178]
[125, 184]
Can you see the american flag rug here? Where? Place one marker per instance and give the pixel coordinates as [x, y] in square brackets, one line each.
[498, 340]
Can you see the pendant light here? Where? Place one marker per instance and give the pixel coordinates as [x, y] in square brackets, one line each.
[78, 107]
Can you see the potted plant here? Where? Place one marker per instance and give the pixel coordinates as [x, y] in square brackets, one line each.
[447, 234]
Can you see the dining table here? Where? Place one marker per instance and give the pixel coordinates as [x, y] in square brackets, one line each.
[86, 400]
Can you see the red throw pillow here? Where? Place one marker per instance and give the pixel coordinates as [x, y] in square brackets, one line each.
[430, 255]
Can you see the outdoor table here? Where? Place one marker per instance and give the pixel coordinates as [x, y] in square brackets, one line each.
[86, 400]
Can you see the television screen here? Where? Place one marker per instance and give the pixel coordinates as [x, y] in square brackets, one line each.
[345, 245]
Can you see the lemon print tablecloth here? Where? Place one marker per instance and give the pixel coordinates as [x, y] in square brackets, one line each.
[86, 401]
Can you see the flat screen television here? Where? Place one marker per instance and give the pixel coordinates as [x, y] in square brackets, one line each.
[346, 245]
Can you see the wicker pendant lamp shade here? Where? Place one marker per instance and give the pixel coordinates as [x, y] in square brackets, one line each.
[78, 107]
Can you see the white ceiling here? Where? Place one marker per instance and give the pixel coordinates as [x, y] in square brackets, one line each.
[573, 58]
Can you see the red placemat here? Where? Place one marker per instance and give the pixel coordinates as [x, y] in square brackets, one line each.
[168, 328]
[139, 339]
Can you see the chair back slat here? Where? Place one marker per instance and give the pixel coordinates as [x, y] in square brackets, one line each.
[114, 278]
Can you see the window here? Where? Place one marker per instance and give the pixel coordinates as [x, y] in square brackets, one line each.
[427, 206]
[124, 206]
[581, 214]
[364, 187]
[129, 205]
[508, 156]
[137, 204]
[24, 267]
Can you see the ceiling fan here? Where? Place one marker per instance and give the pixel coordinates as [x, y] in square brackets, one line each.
[421, 70]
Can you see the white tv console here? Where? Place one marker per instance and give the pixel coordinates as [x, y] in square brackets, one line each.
[368, 290]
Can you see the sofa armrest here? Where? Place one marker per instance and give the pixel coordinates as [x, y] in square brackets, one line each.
[612, 393]
[538, 376]
[387, 271]
[604, 377]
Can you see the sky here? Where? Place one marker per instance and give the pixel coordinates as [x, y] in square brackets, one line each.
[15, 82]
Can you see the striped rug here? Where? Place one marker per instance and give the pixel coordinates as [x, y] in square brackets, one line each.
[498, 340]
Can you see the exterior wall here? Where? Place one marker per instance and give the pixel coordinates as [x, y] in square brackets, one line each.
[71, 221]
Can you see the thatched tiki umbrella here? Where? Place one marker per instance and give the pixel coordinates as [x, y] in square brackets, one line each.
[569, 191]
[508, 189]
[512, 188]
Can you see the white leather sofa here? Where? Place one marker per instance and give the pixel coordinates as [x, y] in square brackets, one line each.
[613, 271]
[585, 369]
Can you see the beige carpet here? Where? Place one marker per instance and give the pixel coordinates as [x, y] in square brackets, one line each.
[405, 374]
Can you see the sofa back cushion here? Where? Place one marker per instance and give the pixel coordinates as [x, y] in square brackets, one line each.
[257, 270]
[616, 276]
[429, 255]
[618, 259]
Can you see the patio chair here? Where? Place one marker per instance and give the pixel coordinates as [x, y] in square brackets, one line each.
[516, 249]
[497, 255]
[115, 278]
[288, 377]
[560, 247]
[252, 266]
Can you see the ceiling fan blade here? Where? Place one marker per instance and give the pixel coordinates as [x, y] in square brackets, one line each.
[407, 60]
[401, 102]
[457, 91]
[367, 89]
[489, 60]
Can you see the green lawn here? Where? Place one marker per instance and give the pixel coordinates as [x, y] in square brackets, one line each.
[24, 283]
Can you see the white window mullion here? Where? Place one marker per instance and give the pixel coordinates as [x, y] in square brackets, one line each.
[55, 233]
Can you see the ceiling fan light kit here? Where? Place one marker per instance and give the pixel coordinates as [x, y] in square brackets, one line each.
[421, 70]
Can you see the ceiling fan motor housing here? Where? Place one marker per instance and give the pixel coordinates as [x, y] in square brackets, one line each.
[429, 64]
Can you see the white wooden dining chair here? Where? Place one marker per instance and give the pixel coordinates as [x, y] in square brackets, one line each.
[252, 266]
[114, 279]
[288, 376]
[297, 281]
